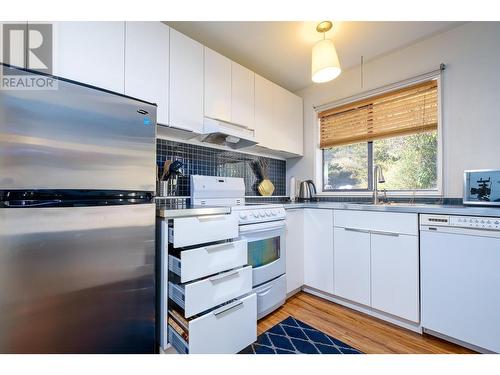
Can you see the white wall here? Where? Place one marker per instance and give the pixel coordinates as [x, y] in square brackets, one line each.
[470, 93]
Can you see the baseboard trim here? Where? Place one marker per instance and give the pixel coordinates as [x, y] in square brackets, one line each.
[293, 292]
[415, 327]
[457, 341]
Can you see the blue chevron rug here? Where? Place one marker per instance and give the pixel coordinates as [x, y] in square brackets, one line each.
[291, 336]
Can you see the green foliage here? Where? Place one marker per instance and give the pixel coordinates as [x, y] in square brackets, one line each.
[409, 163]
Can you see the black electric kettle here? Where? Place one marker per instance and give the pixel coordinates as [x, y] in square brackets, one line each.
[307, 191]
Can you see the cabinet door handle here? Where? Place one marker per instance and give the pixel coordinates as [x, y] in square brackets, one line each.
[211, 217]
[217, 313]
[357, 230]
[224, 275]
[265, 291]
[393, 234]
[219, 247]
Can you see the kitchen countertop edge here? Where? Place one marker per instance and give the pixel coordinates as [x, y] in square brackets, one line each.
[172, 213]
[417, 208]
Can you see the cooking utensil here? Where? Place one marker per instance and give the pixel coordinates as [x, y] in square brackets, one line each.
[166, 168]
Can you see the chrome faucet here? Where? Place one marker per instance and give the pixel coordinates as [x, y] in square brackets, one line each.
[378, 177]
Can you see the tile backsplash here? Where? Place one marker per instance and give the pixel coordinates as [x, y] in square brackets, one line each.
[216, 162]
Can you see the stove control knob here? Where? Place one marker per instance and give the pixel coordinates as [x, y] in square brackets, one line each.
[243, 215]
[262, 214]
[255, 214]
[273, 213]
[268, 213]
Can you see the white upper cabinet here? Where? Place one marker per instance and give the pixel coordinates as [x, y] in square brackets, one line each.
[318, 249]
[146, 64]
[242, 96]
[278, 118]
[264, 111]
[186, 83]
[287, 120]
[91, 53]
[295, 120]
[217, 86]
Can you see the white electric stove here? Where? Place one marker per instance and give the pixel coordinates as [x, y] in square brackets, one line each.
[262, 225]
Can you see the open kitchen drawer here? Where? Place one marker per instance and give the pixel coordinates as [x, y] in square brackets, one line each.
[208, 260]
[189, 231]
[199, 296]
[224, 330]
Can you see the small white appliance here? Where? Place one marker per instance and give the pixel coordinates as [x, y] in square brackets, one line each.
[261, 225]
[460, 278]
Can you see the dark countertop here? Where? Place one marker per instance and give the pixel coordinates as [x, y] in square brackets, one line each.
[401, 207]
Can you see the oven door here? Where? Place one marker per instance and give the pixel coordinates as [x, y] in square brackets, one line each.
[266, 249]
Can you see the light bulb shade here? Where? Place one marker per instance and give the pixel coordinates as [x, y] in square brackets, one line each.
[325, 62]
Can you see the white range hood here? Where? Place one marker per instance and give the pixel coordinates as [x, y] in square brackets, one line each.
[225, 133]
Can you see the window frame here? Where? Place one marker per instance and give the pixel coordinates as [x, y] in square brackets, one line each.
[319, 155]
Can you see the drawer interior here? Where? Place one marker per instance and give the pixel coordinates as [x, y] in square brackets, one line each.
[179, 267]
[176, 294]
[179, 344]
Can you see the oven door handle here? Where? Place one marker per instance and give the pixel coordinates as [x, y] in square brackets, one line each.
[259, 228]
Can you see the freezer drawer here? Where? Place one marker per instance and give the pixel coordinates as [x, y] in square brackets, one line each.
[189, 231]
[205, 294]
[77, 280]
[225, 330]
[208, 260]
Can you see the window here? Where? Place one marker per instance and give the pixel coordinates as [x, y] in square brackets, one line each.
[397, 130]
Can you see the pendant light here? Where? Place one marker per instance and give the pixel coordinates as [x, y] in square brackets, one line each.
[325, 62]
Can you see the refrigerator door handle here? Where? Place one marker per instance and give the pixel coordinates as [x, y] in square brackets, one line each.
[34, 204]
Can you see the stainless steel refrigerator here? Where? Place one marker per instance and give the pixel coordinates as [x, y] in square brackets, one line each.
[77, 221]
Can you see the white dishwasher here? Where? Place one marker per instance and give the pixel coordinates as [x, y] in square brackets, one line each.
[460, 277]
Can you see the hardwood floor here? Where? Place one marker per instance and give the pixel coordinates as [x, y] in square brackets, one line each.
[363, 332]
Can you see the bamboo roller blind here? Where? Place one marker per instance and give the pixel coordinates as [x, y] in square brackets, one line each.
[409, 110]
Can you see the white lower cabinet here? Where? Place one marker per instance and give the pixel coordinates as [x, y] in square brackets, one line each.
[202, 295]
[191, 231]
[376, 261]
[395, 275]
[227, 329]
[208, 260]
[318, 249]
[206, 300]
[294, 249]
[352, 265]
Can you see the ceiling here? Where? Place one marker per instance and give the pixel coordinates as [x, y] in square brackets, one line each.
[281, 51]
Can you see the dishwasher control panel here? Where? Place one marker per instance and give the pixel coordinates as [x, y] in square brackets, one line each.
[481, 222]
[475, 222]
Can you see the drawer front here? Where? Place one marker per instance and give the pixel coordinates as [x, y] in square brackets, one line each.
[392, 222]
[227, 329]
[270, 296]
[189, 231]
[202, 295]
[209, 260]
